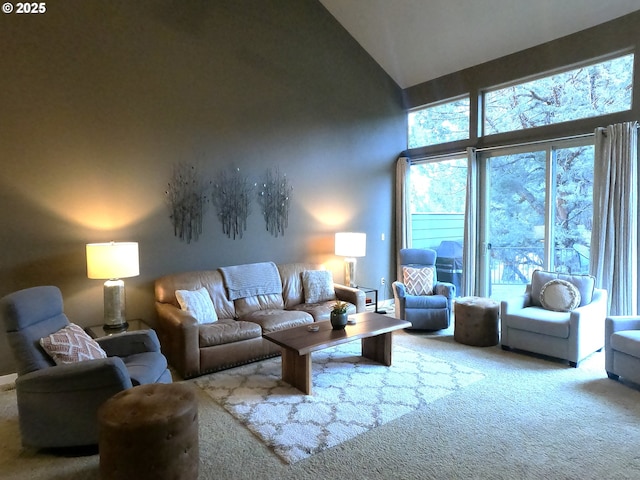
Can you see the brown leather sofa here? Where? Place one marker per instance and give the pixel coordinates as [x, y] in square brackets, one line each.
[195, 349]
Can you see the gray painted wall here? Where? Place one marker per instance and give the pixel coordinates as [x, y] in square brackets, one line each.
[100, 100]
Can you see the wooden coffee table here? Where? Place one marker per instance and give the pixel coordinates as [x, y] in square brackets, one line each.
[374, 330]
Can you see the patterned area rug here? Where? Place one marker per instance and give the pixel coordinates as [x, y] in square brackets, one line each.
[351, 395]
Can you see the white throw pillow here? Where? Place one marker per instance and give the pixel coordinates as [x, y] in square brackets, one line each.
[318, 286]
[418, 281]
[559, 296]
[198, 303]
[71, 344]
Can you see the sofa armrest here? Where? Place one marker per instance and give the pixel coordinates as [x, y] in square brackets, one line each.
[595, 312]
[100, 374]
[129, 343]
[352, 295]
[445, 289]
[510, 305]
[399, 296]
[178, 333]
[618, 323]
[399, 290]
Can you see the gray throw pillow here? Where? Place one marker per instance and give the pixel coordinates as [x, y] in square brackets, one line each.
[318, 286]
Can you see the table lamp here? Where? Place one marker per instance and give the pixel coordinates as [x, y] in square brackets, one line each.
[113, 261]
[350, 245]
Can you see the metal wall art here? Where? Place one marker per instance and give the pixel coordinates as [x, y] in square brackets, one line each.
[186, 197]
[232, 197]
[274, 198]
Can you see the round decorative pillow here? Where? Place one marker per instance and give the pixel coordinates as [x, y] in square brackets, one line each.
[559, 296]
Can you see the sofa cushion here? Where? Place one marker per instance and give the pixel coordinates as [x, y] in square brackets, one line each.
[291, 275]
[627, 341]
[419, 281]
[539, 320]
[71, 344]
[274, 320]
[227, 331]
[584, 283]
[244, 306]
[559, 296]
[318, 286]
[425, 301]
[198, 303]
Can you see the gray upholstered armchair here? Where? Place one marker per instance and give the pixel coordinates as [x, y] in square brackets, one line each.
[58, 404]
[622, 347]
[543, 321]
[419, 297]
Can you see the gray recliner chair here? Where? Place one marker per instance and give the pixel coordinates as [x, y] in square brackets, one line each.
[58, 404]
[622, 348]
[425, 311]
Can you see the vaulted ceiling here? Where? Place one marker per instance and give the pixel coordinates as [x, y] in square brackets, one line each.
[419, 40]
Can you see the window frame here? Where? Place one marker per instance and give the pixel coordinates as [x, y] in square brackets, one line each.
[550, 73]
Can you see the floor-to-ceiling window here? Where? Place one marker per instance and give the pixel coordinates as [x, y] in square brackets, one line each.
[535, 206]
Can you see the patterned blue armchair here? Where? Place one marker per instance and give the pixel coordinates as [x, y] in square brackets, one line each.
[419, 297]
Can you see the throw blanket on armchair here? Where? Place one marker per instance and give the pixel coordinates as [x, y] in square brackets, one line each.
[252, 279]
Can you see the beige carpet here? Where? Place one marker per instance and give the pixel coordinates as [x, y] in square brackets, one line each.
[528, 419]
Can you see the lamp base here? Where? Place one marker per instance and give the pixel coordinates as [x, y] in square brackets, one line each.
[350, 272]
[114, 305]
[116, 328]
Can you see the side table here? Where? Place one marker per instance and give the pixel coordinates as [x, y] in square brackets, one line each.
[97, 331]
[369, 302]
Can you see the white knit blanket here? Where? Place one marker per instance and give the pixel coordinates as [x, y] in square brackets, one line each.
[251, 279]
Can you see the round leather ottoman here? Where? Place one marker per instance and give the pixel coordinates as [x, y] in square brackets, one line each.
[476, 321]
[150, 432]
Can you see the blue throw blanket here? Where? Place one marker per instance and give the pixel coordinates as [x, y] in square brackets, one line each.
[251, 279]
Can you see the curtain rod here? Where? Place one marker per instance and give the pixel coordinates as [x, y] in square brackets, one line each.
[536, 142]
[496, 147]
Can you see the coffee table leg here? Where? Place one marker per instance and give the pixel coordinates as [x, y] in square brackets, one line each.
[378, 348]
[296, 370]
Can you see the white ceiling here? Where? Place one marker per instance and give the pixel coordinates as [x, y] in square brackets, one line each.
[419, 40]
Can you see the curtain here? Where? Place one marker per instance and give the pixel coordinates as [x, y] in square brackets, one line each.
[469, 250]
[403, 215]
[614, 241]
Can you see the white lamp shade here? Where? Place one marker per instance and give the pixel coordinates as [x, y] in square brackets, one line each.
[112, 260]
[351, 244]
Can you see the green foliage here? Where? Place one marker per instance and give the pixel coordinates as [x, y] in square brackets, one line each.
[581, 93]
[340, 307]
[439, 187]
[446, 122]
